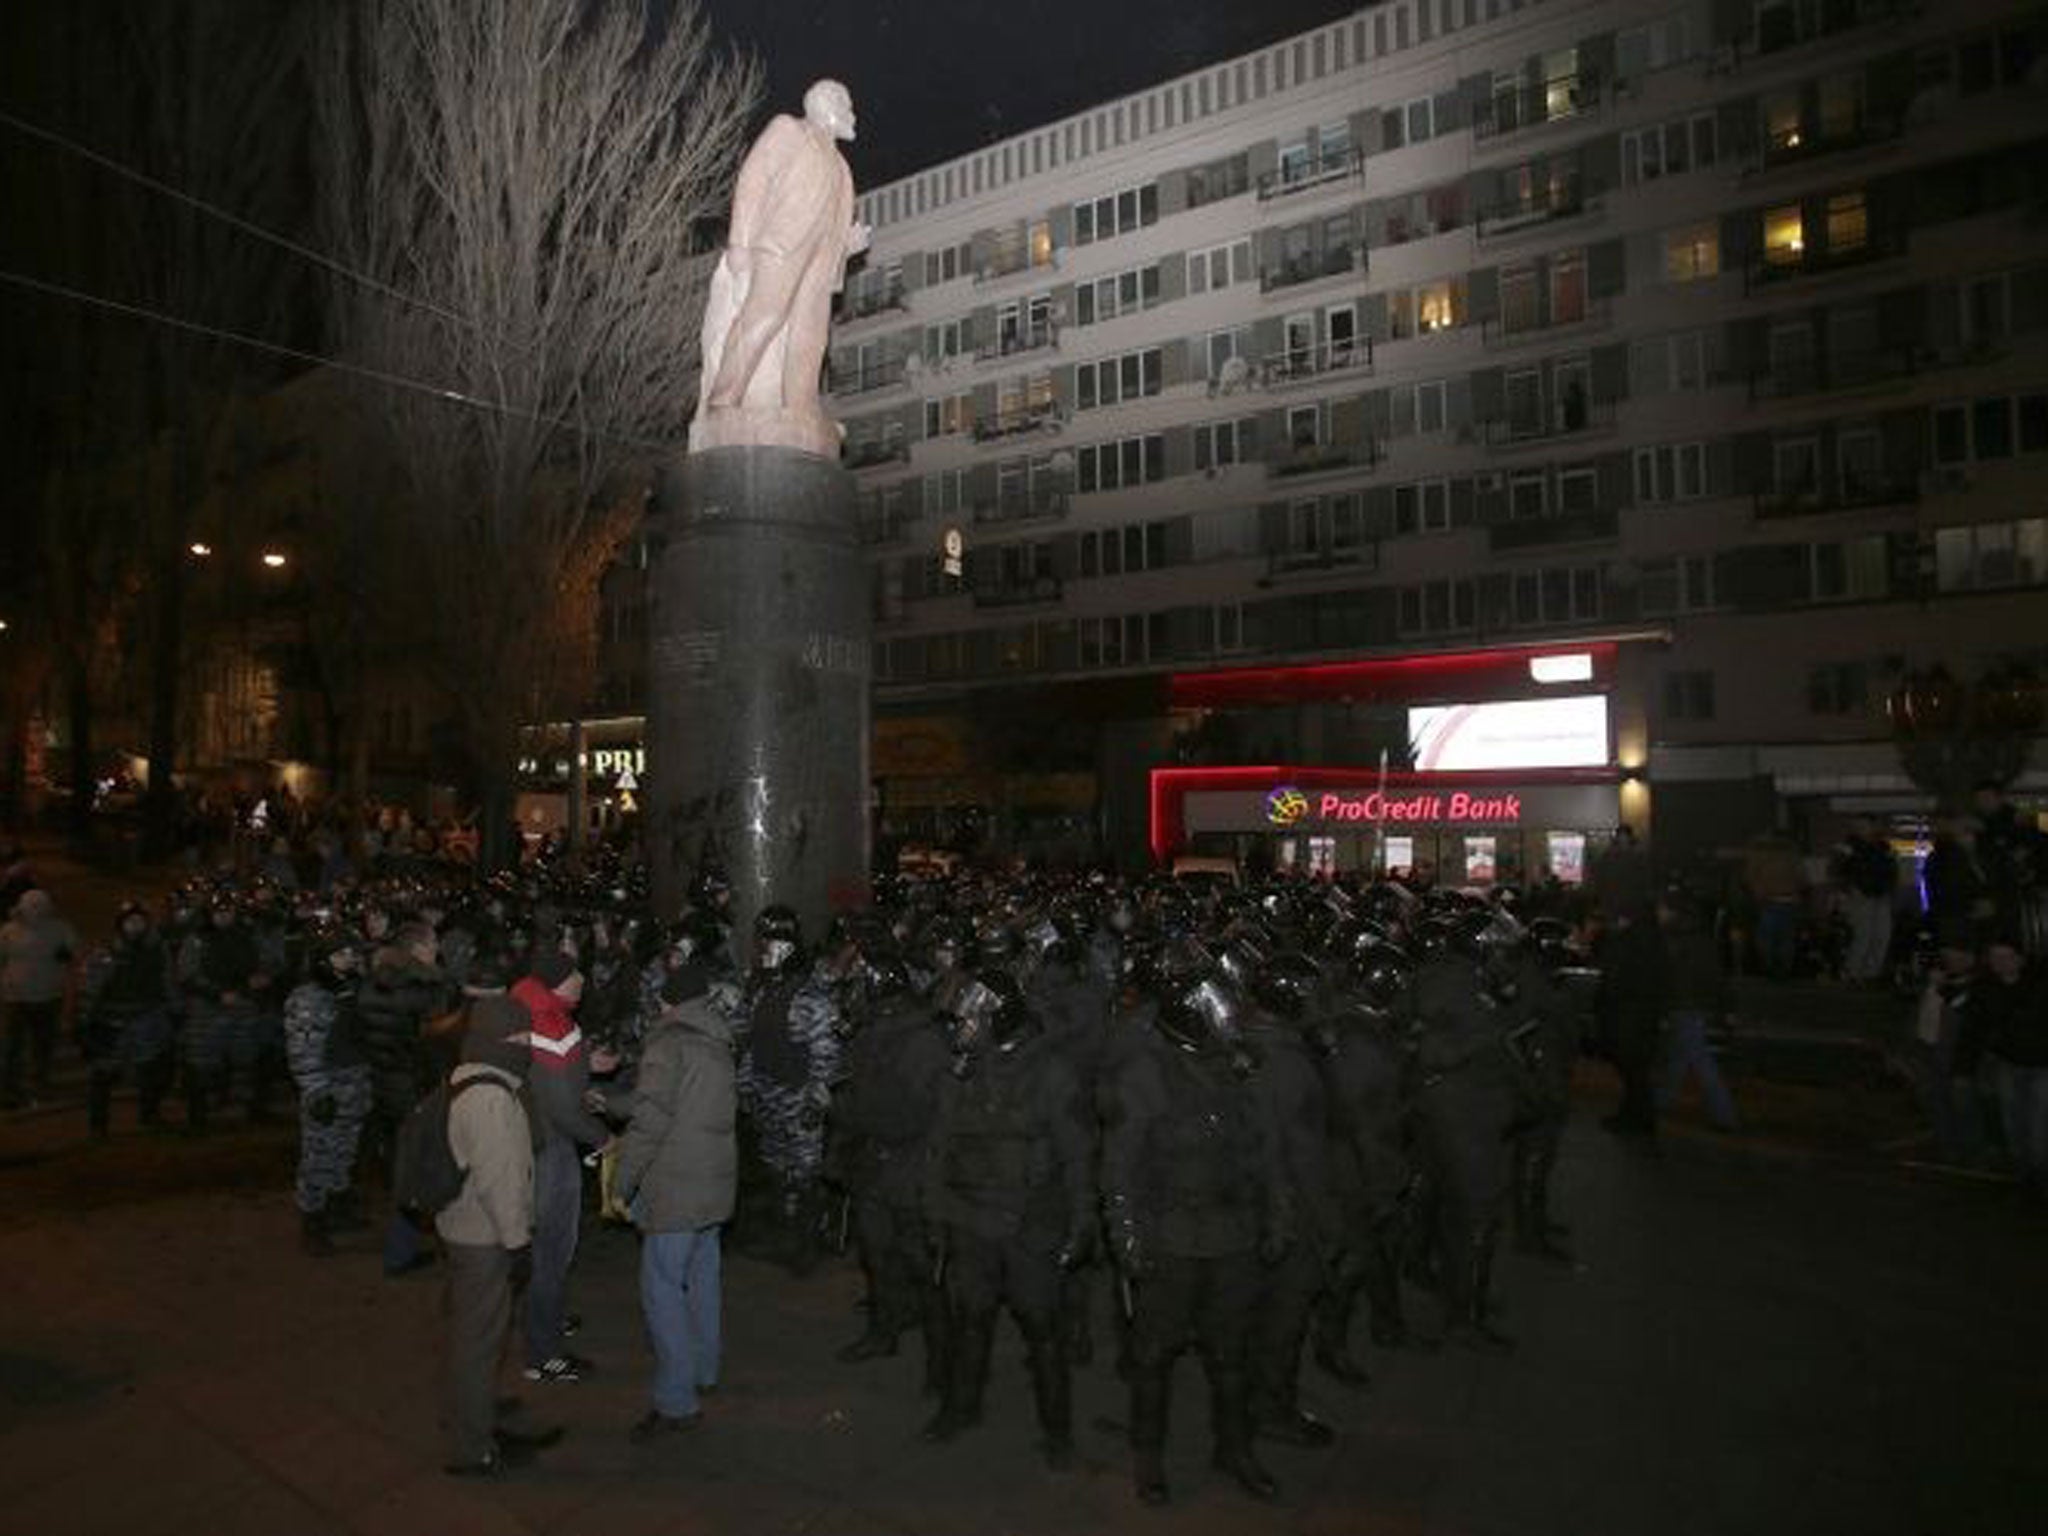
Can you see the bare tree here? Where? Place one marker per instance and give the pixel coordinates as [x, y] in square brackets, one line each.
[533, 175]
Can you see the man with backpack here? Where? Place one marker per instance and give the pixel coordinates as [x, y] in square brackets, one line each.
[487, 1230]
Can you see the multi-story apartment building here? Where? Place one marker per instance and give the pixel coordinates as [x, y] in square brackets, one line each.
[1707, 342]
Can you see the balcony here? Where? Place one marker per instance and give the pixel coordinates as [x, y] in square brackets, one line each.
[1853, 494]
[1771, 268]
[870, 454]
[1296, 270]
[1503, 330]
[1307, 564]
[1015, 423]
[1566, 528]
[1571, 418]
[1299, 365]
[1818, 375]
[1814, 141]
[1010, 509]
[880, 301]
[1319, 458]
[1030, 338]
[1544, 205]
[1028, 592]
[1788, 24]
[1217, 183]
[867, 379]
[1011, 261]
[1318, 171]
[1533, 106]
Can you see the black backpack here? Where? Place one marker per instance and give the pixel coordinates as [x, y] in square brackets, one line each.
[425, 1178]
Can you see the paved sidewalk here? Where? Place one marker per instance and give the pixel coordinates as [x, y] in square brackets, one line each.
[1747, 1346]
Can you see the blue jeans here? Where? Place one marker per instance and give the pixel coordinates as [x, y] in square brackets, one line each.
[2023, 1104]
[557, 1218]
[1688, 1051]
[679, 1294]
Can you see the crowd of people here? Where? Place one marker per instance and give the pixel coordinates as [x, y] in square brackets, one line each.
[1248, 1121]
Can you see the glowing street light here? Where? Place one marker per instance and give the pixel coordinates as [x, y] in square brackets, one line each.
[202, 550]
[273, 559]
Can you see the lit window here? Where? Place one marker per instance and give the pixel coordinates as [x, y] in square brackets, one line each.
[1691, 253]
[1435, 307]
[1784, 236]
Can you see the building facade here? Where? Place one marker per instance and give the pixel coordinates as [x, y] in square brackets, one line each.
[1714, 334]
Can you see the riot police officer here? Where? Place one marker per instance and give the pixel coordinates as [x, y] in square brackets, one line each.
[790, 1057]
[1010, 1198]
[1192, 1196]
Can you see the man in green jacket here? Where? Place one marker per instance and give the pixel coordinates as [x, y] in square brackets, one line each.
[677, 1172]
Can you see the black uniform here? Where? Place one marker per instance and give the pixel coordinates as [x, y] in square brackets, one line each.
[1192, 1191]
[1368, 1072]
[1465, 1107]
[1009, 1191]
[882, 1117]
[1073, 1001]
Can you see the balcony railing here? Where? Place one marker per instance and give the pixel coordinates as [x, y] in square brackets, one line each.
[1568, 419]
[1592, 314]
[1771, 267]
[859, 304]
[1030, 338]
[1790, 25]
[1013, 423]
[1812, 141]
[1316, 458]
[1852, 493]
[1297, 270]
[1549, 202]
[1318, 171]
[1816, 375]
[1297, 365]
[869, 453]
[1565, 528]
[1009, 261]
[866, 379]
[1347, 559]
[1531, 106]
[1023, 507]
[1019, 594]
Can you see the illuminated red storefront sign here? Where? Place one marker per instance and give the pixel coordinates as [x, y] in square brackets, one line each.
[1456, 807]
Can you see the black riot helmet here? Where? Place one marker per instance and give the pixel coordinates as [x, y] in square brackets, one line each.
[1550, 941]
[988, 1012]
[696, 935]
[1241, 961]
[1381, 973]
[778, 940]
[1201, 1011]
[1287, 985]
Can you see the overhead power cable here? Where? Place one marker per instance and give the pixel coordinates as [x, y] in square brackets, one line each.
[300, 354]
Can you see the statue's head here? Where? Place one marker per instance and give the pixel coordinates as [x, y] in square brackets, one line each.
[830, 105]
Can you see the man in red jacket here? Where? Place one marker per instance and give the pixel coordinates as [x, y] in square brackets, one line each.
[561, 1077]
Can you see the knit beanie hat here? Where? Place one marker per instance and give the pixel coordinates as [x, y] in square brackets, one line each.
[684, 983]
[496, 1036]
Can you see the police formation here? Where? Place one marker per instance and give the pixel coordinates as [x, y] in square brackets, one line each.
[1166, 1116]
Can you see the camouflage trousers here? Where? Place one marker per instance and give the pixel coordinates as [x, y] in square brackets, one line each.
[327, 1143]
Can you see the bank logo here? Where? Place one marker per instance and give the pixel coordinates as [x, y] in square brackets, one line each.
[1286, 806]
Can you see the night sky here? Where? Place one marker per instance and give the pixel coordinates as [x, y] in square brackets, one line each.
[932, 79]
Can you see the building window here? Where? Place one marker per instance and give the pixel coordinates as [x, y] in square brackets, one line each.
[1692, 253]
[1132, 376]
[1784, 236]
[1991, 555]
[1424, 507]
[948, 416]
[1221, 443]
[1578, 490]
[1671, 472]
[1851, 570]
[1795, 469]
[1219, 266]
[1436, 306]
[1848, 222]
[1688, 695]
[1130, 461]
[1683, 584]
[1567, 287]
[1518, 299]
[1526, 497]
[1124, 293]
[1120, 213]
[1837, 688]
[1429, 406]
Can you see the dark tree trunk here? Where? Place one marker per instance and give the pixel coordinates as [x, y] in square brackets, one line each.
[160, 806]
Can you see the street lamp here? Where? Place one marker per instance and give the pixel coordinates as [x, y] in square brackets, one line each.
[202, 550]
[273, 559]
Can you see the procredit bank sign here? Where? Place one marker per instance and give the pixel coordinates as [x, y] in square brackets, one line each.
[1288, 807]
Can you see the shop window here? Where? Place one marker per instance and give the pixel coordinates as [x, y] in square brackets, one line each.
[1784, 236]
